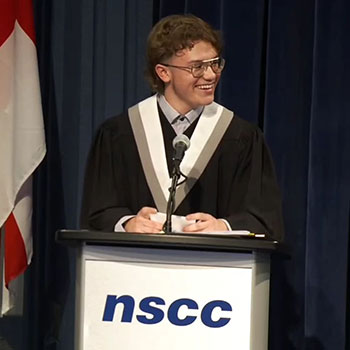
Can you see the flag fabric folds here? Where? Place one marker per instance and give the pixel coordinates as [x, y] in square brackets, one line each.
[22, 140]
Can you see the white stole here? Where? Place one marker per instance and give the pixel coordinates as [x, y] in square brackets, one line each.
[145, 122]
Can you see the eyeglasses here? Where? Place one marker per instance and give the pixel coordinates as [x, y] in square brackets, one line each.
[217, 64]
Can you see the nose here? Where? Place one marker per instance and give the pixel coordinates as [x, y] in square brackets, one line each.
[209, 74]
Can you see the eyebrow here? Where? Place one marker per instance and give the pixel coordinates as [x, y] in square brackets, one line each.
[204, 61]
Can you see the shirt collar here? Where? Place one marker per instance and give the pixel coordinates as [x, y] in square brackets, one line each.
[170, 113]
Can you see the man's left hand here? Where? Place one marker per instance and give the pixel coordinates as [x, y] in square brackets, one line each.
[204, 223]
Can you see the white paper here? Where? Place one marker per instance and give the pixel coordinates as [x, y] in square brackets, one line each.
[177, 222]
[229, 233]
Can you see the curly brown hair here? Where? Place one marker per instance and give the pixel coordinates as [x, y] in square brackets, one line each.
[172, 34]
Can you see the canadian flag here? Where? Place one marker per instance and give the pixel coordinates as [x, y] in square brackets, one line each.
[22, 140]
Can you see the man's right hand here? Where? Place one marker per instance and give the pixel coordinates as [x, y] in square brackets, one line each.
[142, 222]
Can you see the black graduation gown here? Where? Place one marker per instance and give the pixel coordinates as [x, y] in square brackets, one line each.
[238, 184]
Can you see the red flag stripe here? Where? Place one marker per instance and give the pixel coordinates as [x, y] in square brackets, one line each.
[7, 19]
[25, 17]
[20, 10]
[15, 252]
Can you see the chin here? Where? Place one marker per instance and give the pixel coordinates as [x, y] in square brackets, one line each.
[207, 100]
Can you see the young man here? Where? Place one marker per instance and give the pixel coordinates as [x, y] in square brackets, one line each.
[230, 183]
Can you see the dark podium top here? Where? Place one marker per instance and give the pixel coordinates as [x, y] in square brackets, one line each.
[186, 241]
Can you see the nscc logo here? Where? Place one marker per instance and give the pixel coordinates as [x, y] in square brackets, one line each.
[155, 314]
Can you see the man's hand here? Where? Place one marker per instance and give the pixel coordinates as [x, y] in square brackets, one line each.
[142, 223]
[204, 223]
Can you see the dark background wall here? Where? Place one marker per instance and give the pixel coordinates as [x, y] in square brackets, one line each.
[287, 70]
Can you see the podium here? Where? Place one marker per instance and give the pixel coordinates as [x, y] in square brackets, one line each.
[178, 291]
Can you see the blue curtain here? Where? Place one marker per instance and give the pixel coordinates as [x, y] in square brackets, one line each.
[287, 70]
[91, 57]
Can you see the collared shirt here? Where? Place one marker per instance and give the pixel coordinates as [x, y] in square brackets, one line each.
[179, 122]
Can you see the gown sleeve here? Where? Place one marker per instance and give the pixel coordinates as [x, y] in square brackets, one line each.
[255, 201]
[104, 196]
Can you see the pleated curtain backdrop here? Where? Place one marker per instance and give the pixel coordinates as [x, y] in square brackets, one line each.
[92, 62]
[287, 70]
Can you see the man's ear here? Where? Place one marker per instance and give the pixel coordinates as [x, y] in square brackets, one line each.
[163, 73]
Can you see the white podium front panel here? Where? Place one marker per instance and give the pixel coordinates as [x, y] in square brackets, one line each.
[137, 298]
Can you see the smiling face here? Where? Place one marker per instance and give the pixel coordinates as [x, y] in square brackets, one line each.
[182, 90]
